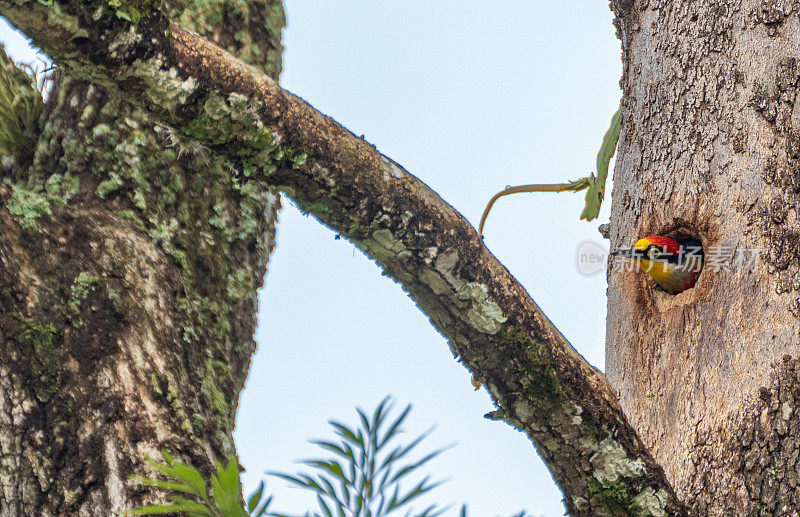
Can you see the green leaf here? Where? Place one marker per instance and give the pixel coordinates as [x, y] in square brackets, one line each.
[347, 434]
[329, 466]
[311, 483]
[330, 446]
[364, 421]
[185, 479]
[263, 509]
[395, 427]
[401, 452]
[193, 508]
[330, 491]
[255, 498]
[349, 452]
[381, 504]
[346, 494]
[377, 417]
[421, 488]
[597, 185]
[291, 479]
[226, 488]
[164, 485]
[190, 476]
[324, 506]
[156, 509]
[382, 484]
[434, 511]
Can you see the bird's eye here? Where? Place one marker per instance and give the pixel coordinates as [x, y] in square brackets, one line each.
[653, 253]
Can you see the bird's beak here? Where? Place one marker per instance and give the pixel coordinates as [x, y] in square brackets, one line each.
[630, 253]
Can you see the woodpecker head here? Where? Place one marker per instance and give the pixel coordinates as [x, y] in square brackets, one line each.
[674, 266]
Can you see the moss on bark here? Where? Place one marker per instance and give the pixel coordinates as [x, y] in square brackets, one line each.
[132, 259]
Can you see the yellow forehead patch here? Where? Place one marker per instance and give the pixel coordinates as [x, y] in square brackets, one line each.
[642, 244]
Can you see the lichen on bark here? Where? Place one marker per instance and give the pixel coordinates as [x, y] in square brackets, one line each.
[21, 106]
[132, 257]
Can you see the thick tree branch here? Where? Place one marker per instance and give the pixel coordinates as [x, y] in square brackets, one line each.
[541, 385]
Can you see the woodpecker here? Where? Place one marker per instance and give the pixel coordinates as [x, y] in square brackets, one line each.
[674, 266]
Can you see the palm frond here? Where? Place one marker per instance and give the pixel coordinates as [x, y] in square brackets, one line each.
[364, 475]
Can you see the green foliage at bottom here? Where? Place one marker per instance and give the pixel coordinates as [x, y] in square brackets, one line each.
[368, 466]
[188, 491]
[363, 477]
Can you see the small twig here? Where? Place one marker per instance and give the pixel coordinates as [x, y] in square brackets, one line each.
[573, 186]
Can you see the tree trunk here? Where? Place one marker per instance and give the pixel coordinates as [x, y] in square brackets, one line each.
[710, 147]
[129, 266]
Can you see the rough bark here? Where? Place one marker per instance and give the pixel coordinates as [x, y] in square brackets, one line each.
[710, 146]
[540, 383]
[129, 266]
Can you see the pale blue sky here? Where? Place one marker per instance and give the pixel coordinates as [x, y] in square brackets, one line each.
[470, 97]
